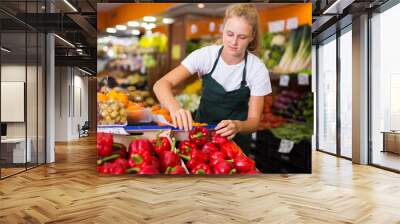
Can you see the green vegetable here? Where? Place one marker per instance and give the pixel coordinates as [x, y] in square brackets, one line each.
[266, 40]
[293, 131]
[192, 46]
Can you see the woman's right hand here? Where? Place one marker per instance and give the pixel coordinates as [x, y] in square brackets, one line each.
[182, 118]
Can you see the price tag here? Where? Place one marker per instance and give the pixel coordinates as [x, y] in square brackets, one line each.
[286, 146]
[276, 26]
[284, 80]
[303, 79]
[292, 23]
[254, 136]
[143, 69]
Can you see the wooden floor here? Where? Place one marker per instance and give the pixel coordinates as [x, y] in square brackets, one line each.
[10, 171]
[70, 191]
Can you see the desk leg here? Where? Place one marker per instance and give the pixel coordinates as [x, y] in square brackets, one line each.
[384, 143]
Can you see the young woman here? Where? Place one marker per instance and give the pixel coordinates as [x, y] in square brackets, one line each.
[234, 79]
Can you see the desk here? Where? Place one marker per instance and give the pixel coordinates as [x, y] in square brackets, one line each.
[391, 141]
[18, 150]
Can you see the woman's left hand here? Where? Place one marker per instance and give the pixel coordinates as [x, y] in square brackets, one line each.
[227, 128]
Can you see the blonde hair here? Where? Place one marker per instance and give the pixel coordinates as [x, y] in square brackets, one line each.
[249, 13]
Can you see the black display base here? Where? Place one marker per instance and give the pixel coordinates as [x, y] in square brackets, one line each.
[269, 160]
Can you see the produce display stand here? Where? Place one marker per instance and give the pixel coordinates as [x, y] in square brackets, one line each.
[282, 143]
[126, 134]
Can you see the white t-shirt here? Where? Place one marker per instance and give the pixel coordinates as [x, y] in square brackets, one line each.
[202, 60]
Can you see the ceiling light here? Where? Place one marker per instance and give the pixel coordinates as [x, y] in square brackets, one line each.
[65, 41]
[149, 19]
[135, 32]
[120, 27]
[200, 5]
[133, 24]
[79, 50]
[5, 49]
[168, 20]
[111, 30]
[148, 26]
[70, 5]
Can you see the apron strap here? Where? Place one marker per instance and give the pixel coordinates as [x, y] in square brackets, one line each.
[216, 61]
[243, 83]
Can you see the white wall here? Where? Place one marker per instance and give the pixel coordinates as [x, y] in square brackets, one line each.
[12, 73]
[33, 127]
[71, 93]
[61, 103]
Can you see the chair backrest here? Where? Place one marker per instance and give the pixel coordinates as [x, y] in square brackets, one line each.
[86, 125]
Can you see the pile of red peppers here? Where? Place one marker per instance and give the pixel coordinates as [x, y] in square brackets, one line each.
[159, 156]
[218, 156]
[142, 157]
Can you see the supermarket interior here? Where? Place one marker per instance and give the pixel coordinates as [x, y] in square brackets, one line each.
[89, 93]
[136, 50]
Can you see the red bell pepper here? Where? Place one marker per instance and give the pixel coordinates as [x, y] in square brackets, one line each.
[192, 163]
[218, 139]
[214, 162]
[140, 146]
[104, 168]
[175, 170]
[217, 155]
[200, 156]
[243, 164]
[147, 161]
[229, 149]
[201, 168]
[141, 159]
[170, 158]
[117, 169]
[224, 167]
[198, 136]
[155, 163]
[209, 148]
[104, 144]
[195, 157]
[122, 162]
[161, 144]
[185, 147]
[143, 170]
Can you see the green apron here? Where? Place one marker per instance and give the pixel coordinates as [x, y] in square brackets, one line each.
[216, 104]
